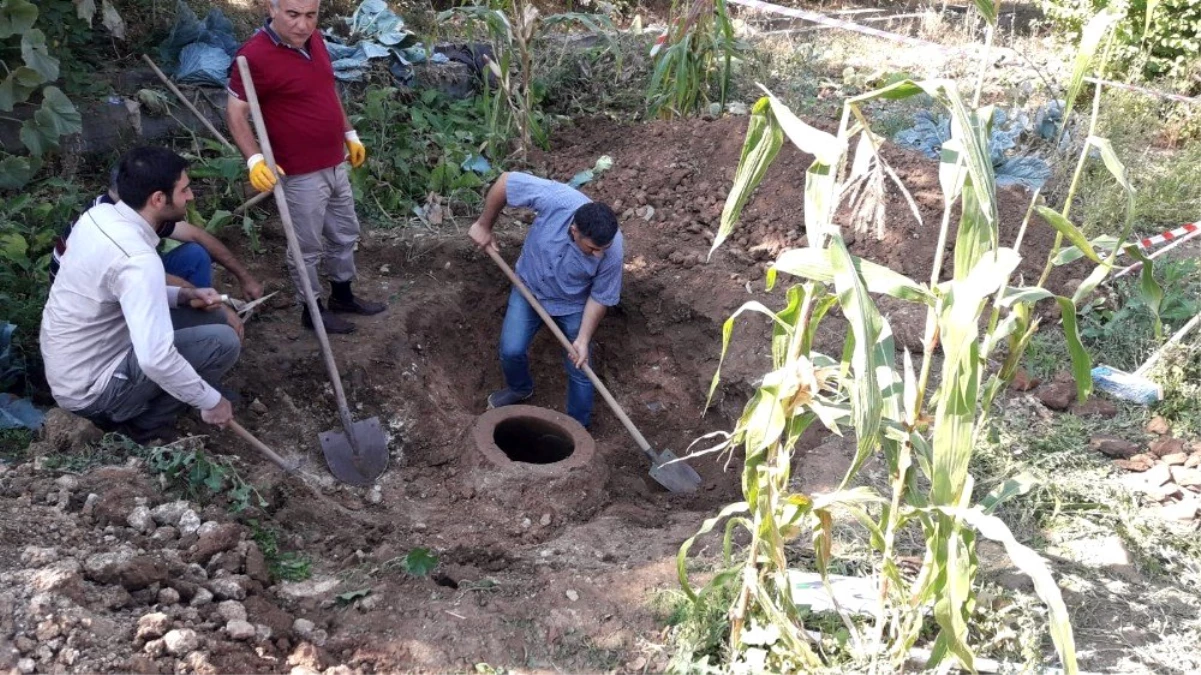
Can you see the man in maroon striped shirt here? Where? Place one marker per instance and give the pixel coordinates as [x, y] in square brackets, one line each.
[311, 137]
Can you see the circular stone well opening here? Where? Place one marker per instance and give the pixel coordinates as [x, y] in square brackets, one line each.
[533, 440]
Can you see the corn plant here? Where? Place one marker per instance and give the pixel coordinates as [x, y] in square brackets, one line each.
[514, 28]
[698, 48]
[923, 431]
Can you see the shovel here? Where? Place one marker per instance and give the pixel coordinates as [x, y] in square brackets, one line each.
[667, 469]
[358, 453]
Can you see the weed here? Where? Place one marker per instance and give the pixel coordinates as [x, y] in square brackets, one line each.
[283, 565]
[417, 563]
[189, 468]
[111, 449]
[696, 59]
[698, 630]
[14, 445]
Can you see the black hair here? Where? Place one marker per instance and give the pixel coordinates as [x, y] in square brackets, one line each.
[146, 170]
[597, 222]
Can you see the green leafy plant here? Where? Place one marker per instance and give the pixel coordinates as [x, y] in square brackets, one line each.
[29, 70]
[515, 27]
[697, 55]
[350, 596]
[1154, 37]
[418, 148]
[924, 434]
[283, 565]
[189, 468]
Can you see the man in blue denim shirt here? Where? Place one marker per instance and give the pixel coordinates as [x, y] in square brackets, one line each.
[571, 262]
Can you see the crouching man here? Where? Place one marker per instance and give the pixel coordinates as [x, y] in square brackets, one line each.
[110, 351]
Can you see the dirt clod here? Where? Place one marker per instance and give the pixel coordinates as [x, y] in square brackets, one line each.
[1058, 395]
[1167, 446]
[1112, 446]
[1159, 425]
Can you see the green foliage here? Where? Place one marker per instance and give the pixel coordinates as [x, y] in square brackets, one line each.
[697, 57]
[111, 449]
[30, 68]
[190, 469]
[419, 562]
[29, 223]
[14, 444]
[1158, 37]
[418, 148]
[283, 565]
[698, 629]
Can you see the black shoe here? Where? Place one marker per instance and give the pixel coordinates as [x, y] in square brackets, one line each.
[342, 300]
[153, 437]
[333, 324]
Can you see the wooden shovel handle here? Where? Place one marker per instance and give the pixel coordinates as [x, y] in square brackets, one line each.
[554, 328]
[287, 466]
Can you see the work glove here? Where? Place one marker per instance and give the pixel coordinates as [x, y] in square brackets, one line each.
[261, 176]
[355, 150]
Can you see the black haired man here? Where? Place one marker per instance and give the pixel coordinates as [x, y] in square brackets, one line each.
[571, 261]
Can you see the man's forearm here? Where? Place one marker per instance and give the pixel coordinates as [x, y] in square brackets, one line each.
[593, 312]
[239, 127]
[180, 282]
[494, 201]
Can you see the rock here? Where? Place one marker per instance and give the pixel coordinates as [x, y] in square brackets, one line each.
[295, 591]
[140, 520]
[1193, 461]
[368, 603]
[168, 596]
[202, 597]
[231, 610]
[89, 504]
[375, 495]
[1022, 381]
[180, 642]
[151, 626]
[1095, 407]
[305, 655]
[195, 574]
[1157, 475]
[66, 431]
[62, 577]
[305, 630]
[258, 407]
[36, 556]
[239, 630]
[67, 482]
[170, 512]
[545, 520]
[215, 539]
[189, 523]
[1174, 459]
[27, 665]
[256, 565]
[572, 595]
[1167, 446]
[1058, 395]
[227, 588]
[1136, 463]
[199, 663]
[1181, 510]
[1158, 425]
[1112, 446]
[1186, 477]
[164, 534]
[155, 648]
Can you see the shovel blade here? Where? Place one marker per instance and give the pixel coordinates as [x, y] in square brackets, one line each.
[363, 467]
[673, 474]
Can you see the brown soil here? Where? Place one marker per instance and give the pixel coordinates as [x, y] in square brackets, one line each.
[542, 574]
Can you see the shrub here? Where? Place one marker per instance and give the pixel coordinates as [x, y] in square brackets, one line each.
[1162, 46]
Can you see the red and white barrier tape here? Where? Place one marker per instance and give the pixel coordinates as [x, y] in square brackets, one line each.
[823, 20]
[1169, 235]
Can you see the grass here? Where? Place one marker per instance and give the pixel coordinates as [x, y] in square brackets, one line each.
[14, 445]
[284, 565]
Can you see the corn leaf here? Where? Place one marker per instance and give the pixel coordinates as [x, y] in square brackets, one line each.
[1117, 169]
[988, 10]
[974, 237]
[1094, 33]
[706, 528]
[972, 130]
[1029, 562]
[727, 331]
[818, 265]
[826, 148]
[764, 138]
[1070, 232]
[1082, 364]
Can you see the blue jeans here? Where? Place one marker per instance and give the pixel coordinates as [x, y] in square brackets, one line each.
[190, 261]
[521, 325]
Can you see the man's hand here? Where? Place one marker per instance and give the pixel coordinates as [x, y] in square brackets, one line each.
[261, 176]
[231, 317]
[219, 415]
[251, 288]
[201, 298]
[580, 359]
[482, 236]
[355, 149]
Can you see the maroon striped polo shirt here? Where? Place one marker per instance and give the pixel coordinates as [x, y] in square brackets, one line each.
[300, 104]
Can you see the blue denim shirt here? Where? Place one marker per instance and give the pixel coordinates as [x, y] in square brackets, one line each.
[557, 272]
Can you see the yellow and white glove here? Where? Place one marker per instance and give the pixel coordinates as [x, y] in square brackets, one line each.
[261, 176]
[355, 150]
